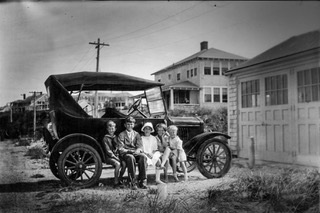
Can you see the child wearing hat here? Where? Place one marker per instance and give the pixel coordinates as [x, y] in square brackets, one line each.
[150, 148]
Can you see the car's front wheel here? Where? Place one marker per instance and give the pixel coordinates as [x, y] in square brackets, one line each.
[214, 158]
[80, 165]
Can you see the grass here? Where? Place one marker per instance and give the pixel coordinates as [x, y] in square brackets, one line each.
[136, 201]
[290, 190]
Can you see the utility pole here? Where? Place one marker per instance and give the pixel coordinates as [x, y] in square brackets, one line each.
[34, 115]
[98, 44]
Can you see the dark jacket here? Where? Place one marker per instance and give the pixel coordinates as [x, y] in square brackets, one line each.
[128, 146]
[112, 146]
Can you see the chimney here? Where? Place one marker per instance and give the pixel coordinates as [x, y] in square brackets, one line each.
[24, 96]
[203, 45]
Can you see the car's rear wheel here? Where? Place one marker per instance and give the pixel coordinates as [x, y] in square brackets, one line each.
[80, 165]
[214, 158]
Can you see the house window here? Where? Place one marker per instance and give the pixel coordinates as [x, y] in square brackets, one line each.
[191, 72]
[169, 76]
[216, 94]
[207, 95]
[250, 91]
[276, 90]
[159, 80]
[178, 77]
[224, 95]
[216, 71]
[187, 73]
[195, 72]
[181, 96]
[207, 71]
[309, 85]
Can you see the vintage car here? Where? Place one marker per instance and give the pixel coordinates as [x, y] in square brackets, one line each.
[74, 138]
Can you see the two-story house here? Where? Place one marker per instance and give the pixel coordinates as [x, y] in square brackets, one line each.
[198, 81]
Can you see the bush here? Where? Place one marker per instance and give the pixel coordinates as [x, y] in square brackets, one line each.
[36, 152]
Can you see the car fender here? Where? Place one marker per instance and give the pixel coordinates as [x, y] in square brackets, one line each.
[193, 145]
[68, 140]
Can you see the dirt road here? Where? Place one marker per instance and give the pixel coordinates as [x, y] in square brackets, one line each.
[28, 185]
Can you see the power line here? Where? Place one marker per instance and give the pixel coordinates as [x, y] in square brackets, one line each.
[164, 28]
[79, 61]
[155, 23]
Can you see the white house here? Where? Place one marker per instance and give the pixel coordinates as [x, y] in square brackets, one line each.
[275, 98]
[198, 81]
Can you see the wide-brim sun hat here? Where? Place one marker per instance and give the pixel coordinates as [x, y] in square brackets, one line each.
[148, 124]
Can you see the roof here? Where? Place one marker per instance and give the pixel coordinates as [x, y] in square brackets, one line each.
[27, 100]
[207, 53]
[186, 85]
[293, 45]
[102, 81]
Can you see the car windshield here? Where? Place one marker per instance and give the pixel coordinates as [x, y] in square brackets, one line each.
[110, 103]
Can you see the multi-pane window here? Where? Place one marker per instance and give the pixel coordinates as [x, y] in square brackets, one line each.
[224, 95]
[191, 72]
[195, 71]
[276, 90]
[207, 94]
[187, 73]
[250, 91]
[216, 71]
[207, 71]
[178, 76]
[309, 85]
[216, 94]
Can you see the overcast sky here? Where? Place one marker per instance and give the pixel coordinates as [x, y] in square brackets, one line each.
[38, 39]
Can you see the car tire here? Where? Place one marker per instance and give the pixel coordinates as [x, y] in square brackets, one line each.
[213, 158]
[80, 165]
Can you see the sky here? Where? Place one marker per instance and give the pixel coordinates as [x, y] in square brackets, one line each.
[38, 39]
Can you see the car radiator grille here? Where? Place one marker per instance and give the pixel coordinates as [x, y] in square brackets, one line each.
[184, 134]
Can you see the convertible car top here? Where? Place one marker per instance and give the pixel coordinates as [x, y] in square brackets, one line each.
[101, 81]
[59, 85]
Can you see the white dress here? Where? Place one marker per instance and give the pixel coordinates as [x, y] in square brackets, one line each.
[176, 144]
[150, 145]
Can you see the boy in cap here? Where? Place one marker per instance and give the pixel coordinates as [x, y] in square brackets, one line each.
[131, 150]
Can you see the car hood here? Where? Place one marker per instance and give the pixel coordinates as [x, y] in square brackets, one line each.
[185, 121]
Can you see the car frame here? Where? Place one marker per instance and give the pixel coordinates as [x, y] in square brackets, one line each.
[75, 139]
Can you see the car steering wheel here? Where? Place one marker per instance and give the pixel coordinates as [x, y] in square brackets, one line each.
[134, 107]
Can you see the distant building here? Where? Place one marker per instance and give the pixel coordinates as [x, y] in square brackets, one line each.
[275, 98]
[119, 101]
[27, 104]
[198, 81]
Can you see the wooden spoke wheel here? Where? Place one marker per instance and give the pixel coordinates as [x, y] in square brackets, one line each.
[80, 165]
[214, 158]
